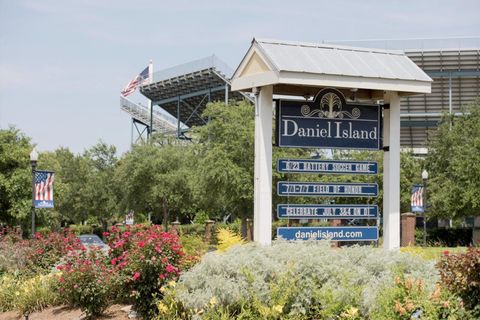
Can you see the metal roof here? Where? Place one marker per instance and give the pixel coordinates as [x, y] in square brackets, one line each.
[303, 63]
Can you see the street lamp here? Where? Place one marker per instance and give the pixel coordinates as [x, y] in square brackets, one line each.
[33, 162]
[424, 178]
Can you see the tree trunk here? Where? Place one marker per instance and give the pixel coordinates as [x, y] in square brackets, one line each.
[243, 227]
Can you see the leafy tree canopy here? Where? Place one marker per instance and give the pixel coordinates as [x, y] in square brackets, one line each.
[453, 163]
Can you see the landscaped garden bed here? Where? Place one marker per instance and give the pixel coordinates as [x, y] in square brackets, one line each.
[167, 276]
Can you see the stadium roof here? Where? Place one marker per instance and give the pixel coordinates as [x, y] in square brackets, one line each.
[285, 64]
[184, 90]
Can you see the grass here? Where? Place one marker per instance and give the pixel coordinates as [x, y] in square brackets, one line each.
[432, 253]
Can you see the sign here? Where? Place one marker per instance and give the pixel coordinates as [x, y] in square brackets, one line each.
[417, 198]
[320, 189]
[326, 166]
[129, 218]
[319, 211]
[43, 190]
[332, 233]
[328, 122]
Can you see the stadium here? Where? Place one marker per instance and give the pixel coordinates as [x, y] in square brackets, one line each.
[180, 94]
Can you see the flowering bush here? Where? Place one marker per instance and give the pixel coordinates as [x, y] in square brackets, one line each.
[37, 255]
[45, 251]
[144, 258]
[86, 281]
[461, 274]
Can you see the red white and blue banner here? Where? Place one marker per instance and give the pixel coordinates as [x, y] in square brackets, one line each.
[43, 193]
[417, 198]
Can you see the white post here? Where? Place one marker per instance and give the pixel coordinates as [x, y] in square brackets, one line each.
[391, 173]
[150, 106]
[262, 221]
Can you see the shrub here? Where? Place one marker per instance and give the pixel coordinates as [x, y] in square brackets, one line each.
[306, 280]
[145, 259]
[26, 294]
[461, 274]
[409, 299]
[85, 281]
[227, 238]
[35, 294]
[8, 287]
[194, 247]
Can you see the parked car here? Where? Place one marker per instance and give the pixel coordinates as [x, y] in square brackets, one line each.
[92, 240]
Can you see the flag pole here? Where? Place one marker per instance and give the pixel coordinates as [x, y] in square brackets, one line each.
[150, 106]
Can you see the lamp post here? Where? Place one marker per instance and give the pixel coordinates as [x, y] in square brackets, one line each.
[424, 178]
[33, 162]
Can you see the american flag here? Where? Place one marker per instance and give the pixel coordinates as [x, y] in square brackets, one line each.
[43, 187]
[417, 198]
[141, 79]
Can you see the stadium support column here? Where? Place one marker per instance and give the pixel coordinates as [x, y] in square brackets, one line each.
[391, 173]
[262, 228]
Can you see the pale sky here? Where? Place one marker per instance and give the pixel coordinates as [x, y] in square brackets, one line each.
[63, 63]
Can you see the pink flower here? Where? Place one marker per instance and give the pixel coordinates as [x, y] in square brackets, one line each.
[75, 286]
[106, 234]
[136, 275]
[141, 244]
[170, 268]
[114, 261]
[62, 279]
[446, 252]
[162, 276]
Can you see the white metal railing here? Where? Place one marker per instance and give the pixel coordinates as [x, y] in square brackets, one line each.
[161, 121]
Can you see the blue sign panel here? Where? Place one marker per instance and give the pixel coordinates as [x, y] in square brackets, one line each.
[332, 233]
[326, 166]
[39, 204]
[328, 122]
[319, 211]
[320, 189]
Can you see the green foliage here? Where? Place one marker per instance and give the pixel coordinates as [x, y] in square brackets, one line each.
[294, 281]
[201, 217]
[223, 160]
[15, 178]
[155, 179]
[35, 294]
[27, 295]
[461, 274]
[454, 165]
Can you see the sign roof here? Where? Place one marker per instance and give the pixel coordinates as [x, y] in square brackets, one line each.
[272, 62]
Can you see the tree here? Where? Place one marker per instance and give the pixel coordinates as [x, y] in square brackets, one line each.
[71, 176]
[15, 178]
[453, 163]
[154, 179]
[224, 160]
